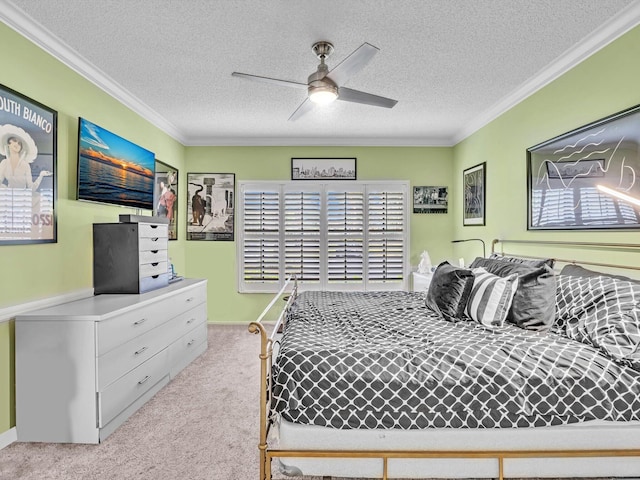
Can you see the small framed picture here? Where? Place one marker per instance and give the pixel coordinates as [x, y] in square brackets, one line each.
[474, 187]
[210, 209]
[165, 196]
[430, 199]
[323, 169]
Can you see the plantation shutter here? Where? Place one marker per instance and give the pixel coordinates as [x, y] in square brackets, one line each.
[302, 210]
[386, 228]
[345, 235]
[261, 236]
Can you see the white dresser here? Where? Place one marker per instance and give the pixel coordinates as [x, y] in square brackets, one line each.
[83, 367]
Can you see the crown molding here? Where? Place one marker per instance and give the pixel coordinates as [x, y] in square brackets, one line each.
[318, 141]
[610, 31]
[19, 21]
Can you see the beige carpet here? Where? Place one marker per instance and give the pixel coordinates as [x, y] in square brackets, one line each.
[202, 426]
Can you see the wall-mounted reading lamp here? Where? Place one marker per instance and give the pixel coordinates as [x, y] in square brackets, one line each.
[484, 248]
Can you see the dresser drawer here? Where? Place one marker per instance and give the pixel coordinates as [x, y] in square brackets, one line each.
[122, 393]
[153, 269]
[116, 363]
[152, 243]
[186, 321]
[118, 330]
[187, 348]
[153, 256]
[151, 230]
[156, 281]
[189, 298]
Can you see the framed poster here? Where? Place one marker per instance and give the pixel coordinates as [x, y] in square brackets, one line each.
[474, 187]
[430, 200]
[210, 206]
[27, 170]
[588, 178]
[165, 196]
[323, 169]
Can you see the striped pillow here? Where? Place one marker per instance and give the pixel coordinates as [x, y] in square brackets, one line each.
[491, 297]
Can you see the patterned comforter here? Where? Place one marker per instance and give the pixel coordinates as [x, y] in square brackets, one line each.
[383, 360]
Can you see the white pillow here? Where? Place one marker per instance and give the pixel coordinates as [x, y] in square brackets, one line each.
[491, 297]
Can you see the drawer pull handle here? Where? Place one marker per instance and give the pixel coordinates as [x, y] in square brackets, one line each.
[154, 264]
[190, 299]
[191, 320]
[154, 251]
[153, 226]
[155, 276]
[140, 322]
[154, 239]
[190, 343]
[144, 380]
[140, 351]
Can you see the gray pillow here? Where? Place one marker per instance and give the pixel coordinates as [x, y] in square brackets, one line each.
[532, 262]
[449, 291]
[534, 303]
[578, 271]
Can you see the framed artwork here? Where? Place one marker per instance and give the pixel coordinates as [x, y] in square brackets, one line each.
[430, 199]
[165, 196]
[474, 187]
[323, 169]
[588, 178]
[210, 206]
[28, 152]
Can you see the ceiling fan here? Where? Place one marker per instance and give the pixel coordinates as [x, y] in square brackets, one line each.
[324, 86]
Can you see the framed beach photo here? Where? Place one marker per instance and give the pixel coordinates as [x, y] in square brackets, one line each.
[28, 140]
[474, 188]
[210, 210]
[323, 169]
[165, 196]
[430, 199]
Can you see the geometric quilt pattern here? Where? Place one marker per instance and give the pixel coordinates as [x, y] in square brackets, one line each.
[381, 360]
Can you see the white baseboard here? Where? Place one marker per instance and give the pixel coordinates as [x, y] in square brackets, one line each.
[8, 437]
[8, 313]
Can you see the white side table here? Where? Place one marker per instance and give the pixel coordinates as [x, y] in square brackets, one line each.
[421, 281]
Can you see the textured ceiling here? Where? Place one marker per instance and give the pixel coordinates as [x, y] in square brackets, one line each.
[452, 65]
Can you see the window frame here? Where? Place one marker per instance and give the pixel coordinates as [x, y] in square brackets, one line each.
[324, 187]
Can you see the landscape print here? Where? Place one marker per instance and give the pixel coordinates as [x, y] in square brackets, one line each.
[112, 169]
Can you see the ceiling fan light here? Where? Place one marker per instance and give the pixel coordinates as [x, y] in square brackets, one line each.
[323, 95]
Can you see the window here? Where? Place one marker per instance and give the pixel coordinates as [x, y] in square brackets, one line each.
[331, 236]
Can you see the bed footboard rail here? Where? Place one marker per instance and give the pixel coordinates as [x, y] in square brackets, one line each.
[267, 342]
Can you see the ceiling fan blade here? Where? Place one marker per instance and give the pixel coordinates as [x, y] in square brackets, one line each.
[274, 81]
[350, 95]
[351, 65]
[303, 108]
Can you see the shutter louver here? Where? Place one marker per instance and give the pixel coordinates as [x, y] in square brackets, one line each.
[385, 248]
[345, 237]
[302, 235]
[261, 226]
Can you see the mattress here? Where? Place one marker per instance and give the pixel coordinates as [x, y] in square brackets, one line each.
[382, 360]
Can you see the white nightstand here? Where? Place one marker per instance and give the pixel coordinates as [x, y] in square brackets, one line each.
[421, 281]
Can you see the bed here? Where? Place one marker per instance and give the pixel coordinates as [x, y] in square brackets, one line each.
[396, 385]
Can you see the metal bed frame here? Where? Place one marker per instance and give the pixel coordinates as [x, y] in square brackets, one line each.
[268, 341]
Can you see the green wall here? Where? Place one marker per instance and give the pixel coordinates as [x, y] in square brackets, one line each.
[604, 84]
[217, 260]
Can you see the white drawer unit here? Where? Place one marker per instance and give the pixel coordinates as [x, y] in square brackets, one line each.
[130, 257]
[83, 367]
